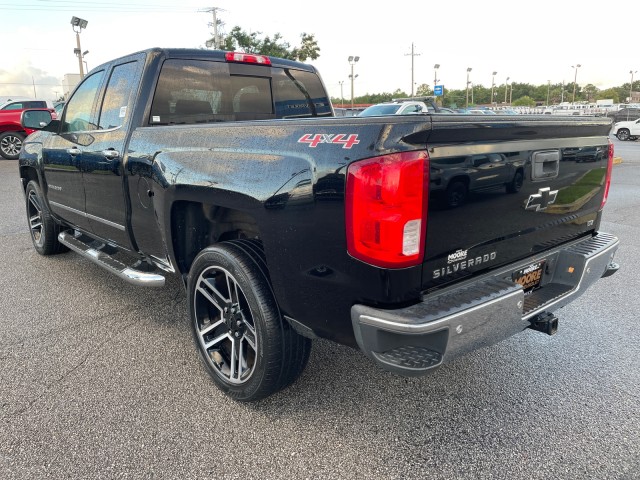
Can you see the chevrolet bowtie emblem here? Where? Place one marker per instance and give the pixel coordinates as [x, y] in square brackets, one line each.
[542, 199]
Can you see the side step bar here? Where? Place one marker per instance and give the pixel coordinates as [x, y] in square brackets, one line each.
[131, 275]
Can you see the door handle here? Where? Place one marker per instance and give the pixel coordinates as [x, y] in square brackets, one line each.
[74, 151]
[111, 153]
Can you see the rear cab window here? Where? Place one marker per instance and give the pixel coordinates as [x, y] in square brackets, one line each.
[25, 105]
[204, 91]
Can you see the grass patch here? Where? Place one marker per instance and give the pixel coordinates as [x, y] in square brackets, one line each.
[586, 184]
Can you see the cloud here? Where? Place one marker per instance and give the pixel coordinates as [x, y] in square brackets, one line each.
[25, 80]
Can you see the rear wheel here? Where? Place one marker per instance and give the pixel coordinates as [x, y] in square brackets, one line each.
[44, 230]
[247, 348]
[10, 145]
[623, 134]
[456, 194]
[516, 184]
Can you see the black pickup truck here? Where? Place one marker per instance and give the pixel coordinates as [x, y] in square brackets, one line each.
[288, 224]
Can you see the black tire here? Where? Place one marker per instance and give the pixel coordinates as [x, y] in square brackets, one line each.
[516, 184]
[623, 134]
[456, 194]
[10, 145]
[248, 349]
[44, 230]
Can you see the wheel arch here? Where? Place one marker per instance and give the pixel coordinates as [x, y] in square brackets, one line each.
[459, 178]
[198, 225]
[28, 173]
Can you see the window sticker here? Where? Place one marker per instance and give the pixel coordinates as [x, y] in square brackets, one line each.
[123, 112]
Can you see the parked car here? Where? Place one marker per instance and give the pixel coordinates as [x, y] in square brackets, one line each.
[12, 134]
[624, 115]
[480, 111]
[584, 154]
[627, 130]
[23, 104]
[394, 108]
[454, 178]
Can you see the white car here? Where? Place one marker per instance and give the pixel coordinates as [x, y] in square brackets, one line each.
[627, 130]
[394, 108]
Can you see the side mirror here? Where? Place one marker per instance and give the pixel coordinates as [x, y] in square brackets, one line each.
[35, 119]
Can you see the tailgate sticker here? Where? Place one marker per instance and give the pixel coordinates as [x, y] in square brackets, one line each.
[347, 140]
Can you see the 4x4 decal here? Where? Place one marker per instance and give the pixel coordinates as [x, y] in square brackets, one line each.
[347, 140]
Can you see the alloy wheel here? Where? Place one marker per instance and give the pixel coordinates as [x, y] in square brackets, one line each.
[224, 325]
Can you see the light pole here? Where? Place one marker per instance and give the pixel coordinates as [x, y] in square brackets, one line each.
[352, 62]
[575, 79]
[341, 82]
[511, 94]
[79, 24]
[468, 70]
[548, 91]
[506, 87]
[435, 79]
[493, 85]
[631, 86]
[413, 55]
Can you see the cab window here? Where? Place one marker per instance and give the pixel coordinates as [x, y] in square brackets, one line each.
[77, 116]
[115, 106]
[202, 91]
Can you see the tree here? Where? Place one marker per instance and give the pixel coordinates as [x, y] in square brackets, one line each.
[525, 101]
[309, 48]
[611, 93]
[591, 92]
[275, 46]
[424, 90]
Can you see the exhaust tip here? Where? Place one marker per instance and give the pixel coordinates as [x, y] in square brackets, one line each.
[545, 323]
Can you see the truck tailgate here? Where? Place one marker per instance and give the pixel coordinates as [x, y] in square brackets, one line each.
[522, 188]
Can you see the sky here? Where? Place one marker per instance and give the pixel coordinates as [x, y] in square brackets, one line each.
[529, 42]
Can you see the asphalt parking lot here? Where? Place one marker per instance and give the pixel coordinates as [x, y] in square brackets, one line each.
[99, 379]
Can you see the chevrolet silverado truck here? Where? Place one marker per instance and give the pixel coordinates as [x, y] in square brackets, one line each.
[12, 133]
[287, 224]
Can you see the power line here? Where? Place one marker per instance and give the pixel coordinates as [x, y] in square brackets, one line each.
[96, 7]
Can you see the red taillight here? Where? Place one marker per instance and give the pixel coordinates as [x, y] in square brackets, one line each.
[607, 180]
[386, 209]
[247, 58]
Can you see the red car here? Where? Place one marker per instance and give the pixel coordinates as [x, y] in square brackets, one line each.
[11, 132]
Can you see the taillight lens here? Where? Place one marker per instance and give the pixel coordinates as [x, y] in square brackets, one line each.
[386, 209]
[247, 58]
[607, 180]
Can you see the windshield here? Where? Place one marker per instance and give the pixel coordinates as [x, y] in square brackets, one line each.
[379, 110]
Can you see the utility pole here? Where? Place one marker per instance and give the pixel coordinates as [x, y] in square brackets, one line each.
[341, 82]
[216, 41]
[506, 87]
[493, 85]
[575, 79]
[413, 55]
[468, 82]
